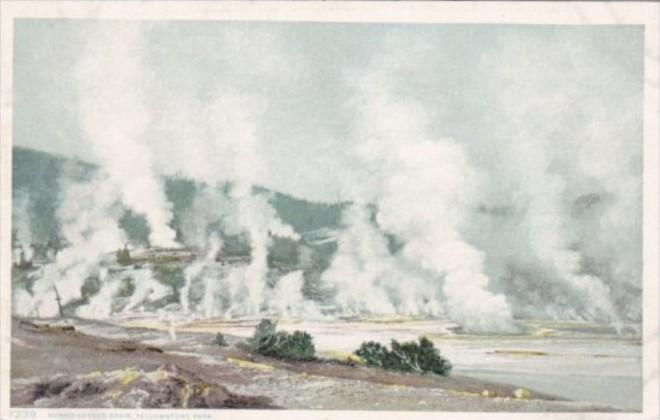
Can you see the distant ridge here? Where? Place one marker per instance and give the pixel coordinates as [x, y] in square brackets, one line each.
[39, 174]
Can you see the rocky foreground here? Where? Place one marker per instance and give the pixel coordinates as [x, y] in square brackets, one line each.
[165, 387]
[63, 365]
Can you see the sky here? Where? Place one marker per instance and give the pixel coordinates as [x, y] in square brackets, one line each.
[481, 85]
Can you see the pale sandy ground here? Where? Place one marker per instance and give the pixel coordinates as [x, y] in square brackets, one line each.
[38, 356]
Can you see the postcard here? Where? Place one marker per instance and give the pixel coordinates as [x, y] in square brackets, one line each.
[329, 210]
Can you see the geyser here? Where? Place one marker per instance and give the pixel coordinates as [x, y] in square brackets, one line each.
[479, 182]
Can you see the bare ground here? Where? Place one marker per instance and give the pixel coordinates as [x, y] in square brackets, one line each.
[53, 366]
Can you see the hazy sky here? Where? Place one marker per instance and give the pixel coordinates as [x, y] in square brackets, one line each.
[475, 83]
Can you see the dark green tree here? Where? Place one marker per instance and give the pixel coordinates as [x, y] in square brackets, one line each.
[407, 357]
[267, 341]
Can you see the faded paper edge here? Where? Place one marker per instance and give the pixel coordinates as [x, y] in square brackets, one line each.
[537, 13]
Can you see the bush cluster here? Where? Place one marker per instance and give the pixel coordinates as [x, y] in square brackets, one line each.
[298, 345]
[406, 357]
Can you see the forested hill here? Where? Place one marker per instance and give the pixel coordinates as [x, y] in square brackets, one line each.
[39, 175]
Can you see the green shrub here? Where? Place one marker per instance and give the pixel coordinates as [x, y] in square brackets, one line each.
[372, 353]
[406, 357]
[298, 345]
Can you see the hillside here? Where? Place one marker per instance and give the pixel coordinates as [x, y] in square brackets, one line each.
[39, 175]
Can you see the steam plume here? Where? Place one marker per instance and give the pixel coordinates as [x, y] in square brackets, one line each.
[114, 118]
[89, 221]
[422, 188]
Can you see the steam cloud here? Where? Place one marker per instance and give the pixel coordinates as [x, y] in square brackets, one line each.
[89, 222]
[242, 211]
[114, 118]
[386, 284]
[422, 191]
[570, 179]
[536, 215]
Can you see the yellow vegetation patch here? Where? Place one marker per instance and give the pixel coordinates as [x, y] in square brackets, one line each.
[386, 319]
[92, 375]
[115, 394]
[127, 376]
[185, 396]
[340, 355]
[483, 394]
[156, 375]
[521, 394]
[544, 332]
[355, 359]
[465, 393]
[251, 365]
[200, 389]
[161, 374]
[334, 354]
[521, 352]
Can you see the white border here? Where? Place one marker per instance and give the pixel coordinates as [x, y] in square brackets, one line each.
[575, 13]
